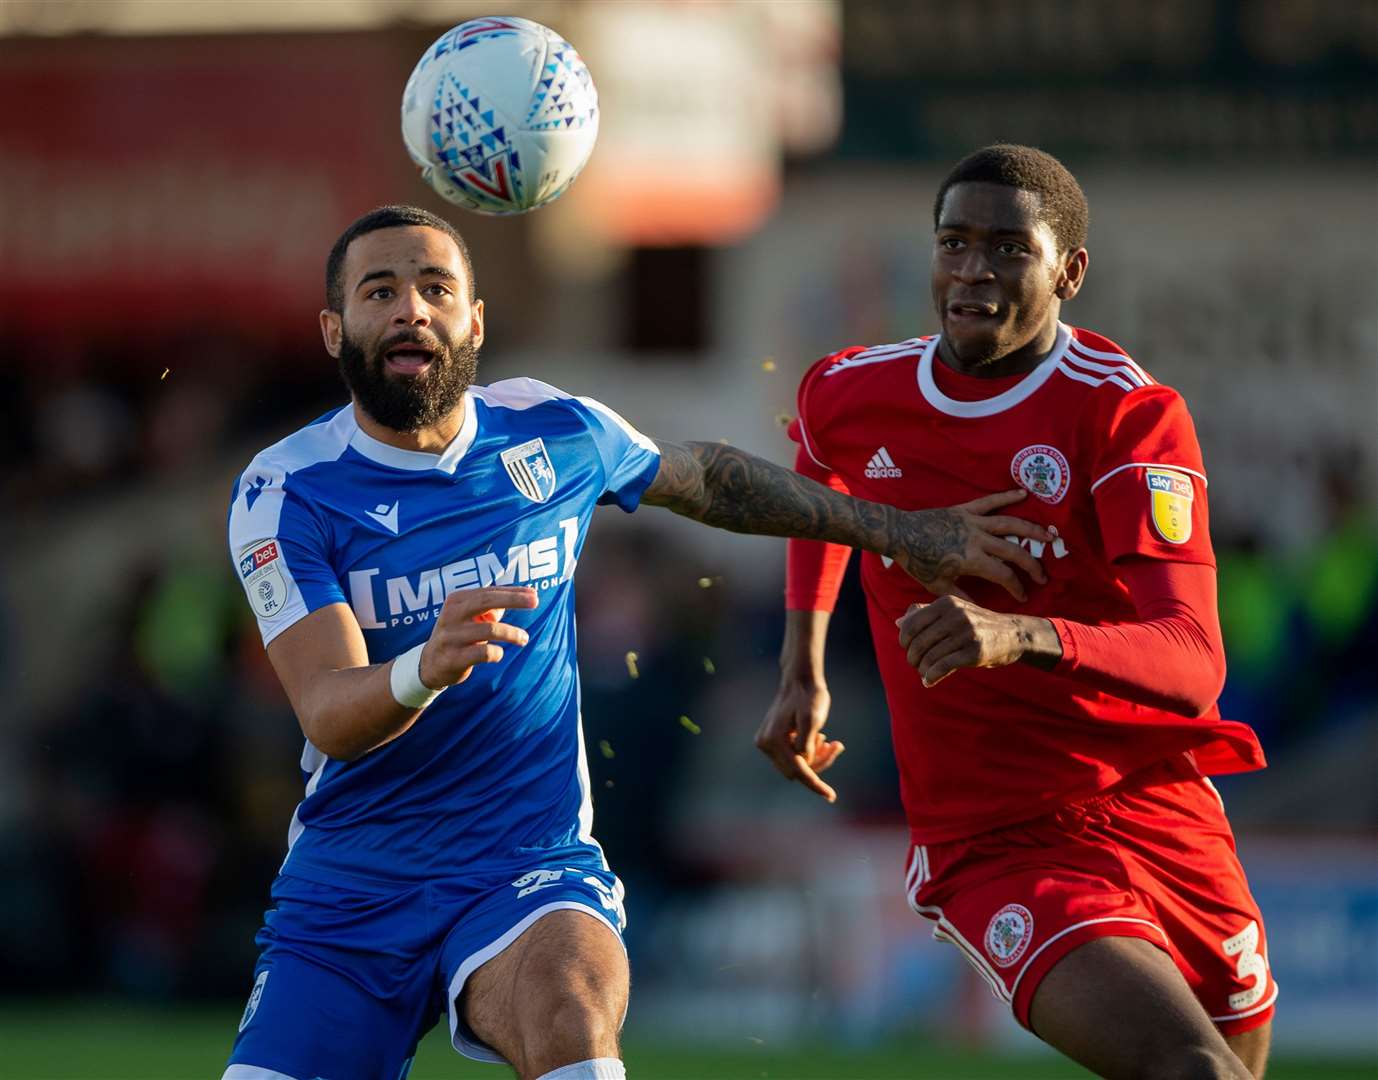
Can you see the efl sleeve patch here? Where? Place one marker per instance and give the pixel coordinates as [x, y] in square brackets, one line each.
[1170, 495]
[260, 571]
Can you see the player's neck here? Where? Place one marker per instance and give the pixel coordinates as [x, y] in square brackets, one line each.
[1019, 362]
[432, 439]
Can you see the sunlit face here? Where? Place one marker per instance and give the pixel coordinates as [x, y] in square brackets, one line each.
[408, 337]
[998, 277]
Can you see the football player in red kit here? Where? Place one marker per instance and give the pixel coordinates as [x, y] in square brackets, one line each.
[1053, 751]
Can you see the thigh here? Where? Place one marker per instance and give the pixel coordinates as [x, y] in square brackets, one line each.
[556, 995]
[1120, 1007]
[549, 937]
[1252, 1047]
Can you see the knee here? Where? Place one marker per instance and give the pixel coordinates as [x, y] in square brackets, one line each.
[1196, 1063]
[583, 1019]
[572, 1027]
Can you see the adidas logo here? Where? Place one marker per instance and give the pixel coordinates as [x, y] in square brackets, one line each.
[882, 466]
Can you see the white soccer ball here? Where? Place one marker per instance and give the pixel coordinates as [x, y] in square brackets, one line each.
[500, 115]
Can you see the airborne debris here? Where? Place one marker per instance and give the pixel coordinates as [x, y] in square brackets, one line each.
[753, 1039]
[631, 665]
[708, 666]
[689, 725]
[164, 374]
[768, 364]
[606, 748]
[784, 419]
[607, 783]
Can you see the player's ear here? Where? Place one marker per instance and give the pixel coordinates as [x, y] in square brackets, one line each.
[332, 331]
[476, 323]
[1073, 273]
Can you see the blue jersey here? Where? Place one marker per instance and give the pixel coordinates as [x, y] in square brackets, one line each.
[493, 773]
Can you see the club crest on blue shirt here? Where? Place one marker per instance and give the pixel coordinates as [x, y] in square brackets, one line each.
[528, 467]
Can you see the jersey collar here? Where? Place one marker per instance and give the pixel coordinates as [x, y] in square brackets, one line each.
[417, 460]
[928, 386]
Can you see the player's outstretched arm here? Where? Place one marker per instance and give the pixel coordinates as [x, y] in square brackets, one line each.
[347, 706]
[730, 489]
[791, 735]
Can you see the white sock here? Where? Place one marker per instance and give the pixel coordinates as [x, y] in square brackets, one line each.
[593, 1069]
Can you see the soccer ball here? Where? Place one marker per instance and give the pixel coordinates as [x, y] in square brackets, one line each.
[500, 115]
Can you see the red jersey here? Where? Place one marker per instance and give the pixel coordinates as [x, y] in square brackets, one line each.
[1111, 461]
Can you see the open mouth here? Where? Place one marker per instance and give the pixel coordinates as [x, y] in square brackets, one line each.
[972, 309]
[408, 359]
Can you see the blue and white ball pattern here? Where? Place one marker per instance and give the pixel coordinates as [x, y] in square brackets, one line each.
[500, 115]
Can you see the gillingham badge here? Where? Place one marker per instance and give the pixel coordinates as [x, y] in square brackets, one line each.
[255, 996]
[260, 570]
[1042, 471]
[1008, 934]
[528, 467]
[1170, 495]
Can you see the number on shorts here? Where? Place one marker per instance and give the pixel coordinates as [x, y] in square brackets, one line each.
[1250, 964]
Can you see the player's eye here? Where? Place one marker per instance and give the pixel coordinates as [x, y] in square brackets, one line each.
[1009, 247]
[950, 243]
[383, 292]
[437, 289]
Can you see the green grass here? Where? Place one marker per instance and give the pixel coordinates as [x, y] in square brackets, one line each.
[98, 1041]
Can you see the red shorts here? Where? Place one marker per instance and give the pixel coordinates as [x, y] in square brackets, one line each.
[1153, 859]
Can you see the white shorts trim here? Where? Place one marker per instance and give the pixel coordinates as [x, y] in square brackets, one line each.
[1014, 989]
[1250, 1012]
[460, 1036]
[253, 1072]
[916, 877]
[945, 931]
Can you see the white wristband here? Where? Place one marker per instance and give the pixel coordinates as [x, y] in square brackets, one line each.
[405, 678]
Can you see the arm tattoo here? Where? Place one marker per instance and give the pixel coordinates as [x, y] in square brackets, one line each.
[730, 489]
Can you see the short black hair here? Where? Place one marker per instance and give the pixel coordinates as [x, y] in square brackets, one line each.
[387, 217]
[1062, 203]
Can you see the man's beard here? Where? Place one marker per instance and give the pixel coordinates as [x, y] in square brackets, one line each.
[408, 402]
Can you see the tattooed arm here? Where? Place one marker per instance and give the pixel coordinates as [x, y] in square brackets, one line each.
[731, 489]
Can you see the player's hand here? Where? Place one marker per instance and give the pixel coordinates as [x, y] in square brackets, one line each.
[470, 631]
[792, 734]
[971, 540]
[952, 633]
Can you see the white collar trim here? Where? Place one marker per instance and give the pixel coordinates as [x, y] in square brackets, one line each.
[418, 460]
[1021, 390]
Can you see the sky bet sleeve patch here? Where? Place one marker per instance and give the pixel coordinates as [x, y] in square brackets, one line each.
[260, 569]
[1170, 497]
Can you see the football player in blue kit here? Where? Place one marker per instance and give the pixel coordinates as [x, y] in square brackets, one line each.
[410, 558]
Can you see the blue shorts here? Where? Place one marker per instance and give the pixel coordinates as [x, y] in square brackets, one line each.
[350, 978]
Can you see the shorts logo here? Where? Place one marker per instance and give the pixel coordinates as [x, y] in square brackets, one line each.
[260, 568]
[1008, 934]
[255, 996]
[528, 467]
[536, 880]
[1170, 497]
[1042, 471]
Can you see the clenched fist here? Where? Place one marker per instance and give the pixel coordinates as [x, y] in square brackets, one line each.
[952, 633]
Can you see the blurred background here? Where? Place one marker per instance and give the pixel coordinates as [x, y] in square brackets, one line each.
[172, 175]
